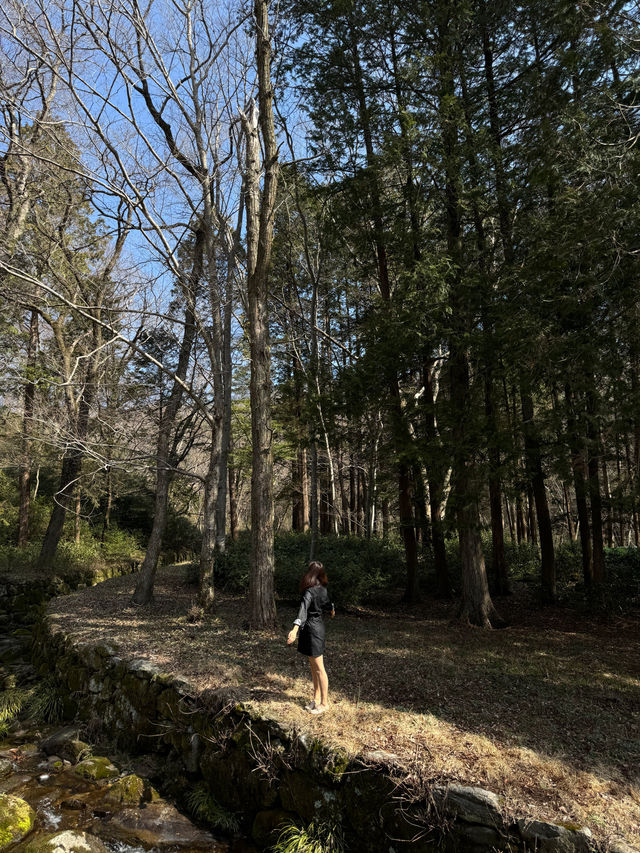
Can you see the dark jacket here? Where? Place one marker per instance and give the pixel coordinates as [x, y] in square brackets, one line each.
[314, 601]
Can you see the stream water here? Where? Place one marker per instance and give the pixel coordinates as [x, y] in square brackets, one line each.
[76, 814]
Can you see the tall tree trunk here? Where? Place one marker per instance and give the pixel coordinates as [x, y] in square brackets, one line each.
[500, 575]
[619, 487]
[164, 464]
[608, 503]
[436, 476]
[571, 530]
[635, 522]
[353, 497]
[233, 499]
[314, 499]
[346, 515]
[520, 524]
[499, 564]
[536, 476]
[227, 370]
[423, 533]
[593, 437]
[372, 491]
[210, 520]
[399, 428]
[106, 521]
[360, 500]
[386, 518]
[509, 514]
[24, 477]
[577, 464]
[71, 467]
[301, 491]
[260, 208]
[531, 515]
[77, 515]
[476, 606]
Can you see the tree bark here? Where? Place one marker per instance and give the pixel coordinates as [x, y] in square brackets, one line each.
[476, 606]
[577, 465]
[571, 530]
[536, 476]
[24, 477]
[106, 522]
[260, 208]
[500, 574]
[71, 467]
[608, 503]
[206, 592]
[233, 500]
[77, 515]
[593, 437]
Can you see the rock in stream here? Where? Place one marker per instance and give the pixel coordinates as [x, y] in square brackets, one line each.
[49, 805]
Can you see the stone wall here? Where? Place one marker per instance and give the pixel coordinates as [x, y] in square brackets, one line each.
[23, 601]
[255, 767]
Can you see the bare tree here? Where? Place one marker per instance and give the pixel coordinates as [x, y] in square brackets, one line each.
[260, 208]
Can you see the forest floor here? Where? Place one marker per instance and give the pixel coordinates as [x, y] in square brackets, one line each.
[545, 712]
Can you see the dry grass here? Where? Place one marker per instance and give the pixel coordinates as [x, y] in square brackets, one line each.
[545, 713]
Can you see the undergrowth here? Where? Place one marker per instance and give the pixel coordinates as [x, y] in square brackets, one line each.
[357, 568]
[11, 704]
[42, 703]
[204, 806]
[45, 702]
[317, 837]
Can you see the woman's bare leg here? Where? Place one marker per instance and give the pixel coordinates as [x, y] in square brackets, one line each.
[316, 682]
[317, 664]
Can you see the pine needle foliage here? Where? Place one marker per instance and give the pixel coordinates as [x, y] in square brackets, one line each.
[317, 837]
[204, 806]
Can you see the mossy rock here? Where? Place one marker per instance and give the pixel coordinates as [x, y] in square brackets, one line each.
[68, 841]
[96, 769]
[128, 791]
[76, 679]
[16, 819]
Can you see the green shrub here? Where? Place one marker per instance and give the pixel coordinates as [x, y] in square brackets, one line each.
[357, 568]
[15, 560]
[120, 546]
[523, 560]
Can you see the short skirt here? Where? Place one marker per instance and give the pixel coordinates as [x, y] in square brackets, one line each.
[311, 638]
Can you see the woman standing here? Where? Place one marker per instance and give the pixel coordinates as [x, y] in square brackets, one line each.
[308, 627]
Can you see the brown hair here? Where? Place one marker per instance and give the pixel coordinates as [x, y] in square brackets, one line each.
[315, 576]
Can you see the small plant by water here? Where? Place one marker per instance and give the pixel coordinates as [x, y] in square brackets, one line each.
[204, 806]
[317, 837]
[11, 704]
[45, 702]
